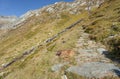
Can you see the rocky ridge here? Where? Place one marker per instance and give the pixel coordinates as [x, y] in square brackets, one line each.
[74, 7]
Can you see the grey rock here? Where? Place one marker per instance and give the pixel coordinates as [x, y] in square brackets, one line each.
[95, 69]
[85, 50]
[64, 77]
[102, 51]
[50, 9]
[57, 67]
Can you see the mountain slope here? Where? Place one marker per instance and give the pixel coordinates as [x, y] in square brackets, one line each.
[39, 25]
[104, 26]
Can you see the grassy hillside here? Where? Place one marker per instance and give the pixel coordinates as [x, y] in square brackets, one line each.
[32, 33]
[104, 26]
[38, 65]
[36, 32]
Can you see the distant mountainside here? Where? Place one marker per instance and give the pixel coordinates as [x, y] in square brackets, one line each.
[6, 20]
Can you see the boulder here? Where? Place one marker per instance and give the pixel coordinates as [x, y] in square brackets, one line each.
[95, 70]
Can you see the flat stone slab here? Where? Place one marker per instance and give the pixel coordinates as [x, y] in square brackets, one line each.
[95, 69]
[57, 67]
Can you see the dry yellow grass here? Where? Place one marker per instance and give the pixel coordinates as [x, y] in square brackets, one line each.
[37, 65]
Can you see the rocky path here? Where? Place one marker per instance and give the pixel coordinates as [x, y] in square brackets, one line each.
[90, 51]
[91, 60]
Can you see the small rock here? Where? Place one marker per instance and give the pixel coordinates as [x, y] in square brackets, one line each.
[63, 41]
[2, 73]
[64, 77]
[102, 51]
[50, 9]
[85, 50]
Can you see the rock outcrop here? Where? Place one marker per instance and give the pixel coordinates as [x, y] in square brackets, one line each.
[75, 7]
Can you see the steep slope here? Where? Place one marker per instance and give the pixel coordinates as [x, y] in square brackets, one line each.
[104, 26]
[75, 7]
[37, 26]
